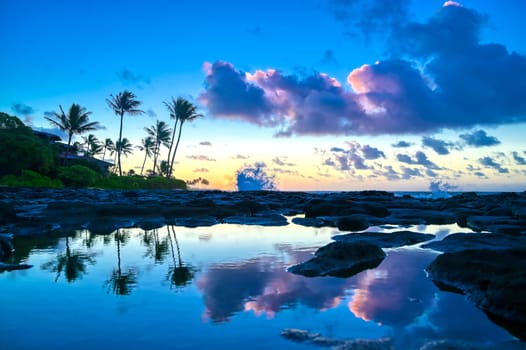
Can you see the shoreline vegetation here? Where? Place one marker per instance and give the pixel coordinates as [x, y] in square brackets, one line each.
[38, 159]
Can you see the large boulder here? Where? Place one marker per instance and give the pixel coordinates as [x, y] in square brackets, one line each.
[492, 279]
[386, 239]
[464, 241]
[341, 259]
[353, 223]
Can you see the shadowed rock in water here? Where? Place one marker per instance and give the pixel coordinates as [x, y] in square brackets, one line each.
[341, 259]
[463, 241]
[492, 279]
[385, 239]
[304, 336]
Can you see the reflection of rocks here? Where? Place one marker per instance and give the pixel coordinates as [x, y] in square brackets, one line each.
[341, 259]
[384, 239]
[493, 279]
[304, 336]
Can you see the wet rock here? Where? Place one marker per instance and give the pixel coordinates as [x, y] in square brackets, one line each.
[310, 222]
[12, 267]
[199, 221]
[352, 223]
[341, 259]
[304, 336]
[492, 279]
[7, 213]
[261, 220]
[463, 241]
[421, 216]
[385, 239]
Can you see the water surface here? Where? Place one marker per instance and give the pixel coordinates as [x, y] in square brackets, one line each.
[220, 287]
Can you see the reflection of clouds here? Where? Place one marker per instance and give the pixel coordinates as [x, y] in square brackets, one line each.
[264, 287]
[396, 292]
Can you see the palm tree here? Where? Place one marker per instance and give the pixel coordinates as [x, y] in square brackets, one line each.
[123, 102]
[148, 146]
[160, 133]
[93, 145]
[181, 110]
[124, 147]
[75, 122]
[108, 145]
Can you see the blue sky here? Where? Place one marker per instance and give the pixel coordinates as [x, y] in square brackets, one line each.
[325, 95]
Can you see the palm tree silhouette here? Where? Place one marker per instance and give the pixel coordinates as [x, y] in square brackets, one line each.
[93, 145]
[160, 133]
[124, 102]
[121, 282]
[148, 146]
[108, 145]
[73, 264]
[124, 147]
[178, 274]
[181, 110]
[75, 122]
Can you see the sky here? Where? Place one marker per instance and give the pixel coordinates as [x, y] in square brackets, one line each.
[319, 95]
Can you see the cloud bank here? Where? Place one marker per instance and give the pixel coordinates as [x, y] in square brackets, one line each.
[439, 75]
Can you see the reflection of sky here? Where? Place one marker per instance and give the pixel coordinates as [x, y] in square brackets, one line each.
[241, 290]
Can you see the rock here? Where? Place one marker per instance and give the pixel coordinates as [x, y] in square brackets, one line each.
[341, 259]
[385, 239]
[304, 336]
[352, 223]
[457, 242]
[199, 221]
[7, 213]
[309, 222]
[421, 216]
[263, 220]
[481, 223]
[492, 279]
[12, 267]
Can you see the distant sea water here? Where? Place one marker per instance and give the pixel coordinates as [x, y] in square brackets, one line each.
[418, 194]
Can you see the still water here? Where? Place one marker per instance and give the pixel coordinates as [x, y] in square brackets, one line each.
[221, 287]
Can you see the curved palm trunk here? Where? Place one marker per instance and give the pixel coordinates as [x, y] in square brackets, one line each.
[170, 149]
[144, 161]
[120, 146]
[170, 169]
[67, 149]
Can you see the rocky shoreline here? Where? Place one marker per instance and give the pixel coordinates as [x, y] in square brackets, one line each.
[488, 265]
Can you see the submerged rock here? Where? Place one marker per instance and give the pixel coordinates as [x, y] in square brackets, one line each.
[492, 279]
[385, 239]
[353, 223]
[12, 267]
[341, 259]
[304, 336]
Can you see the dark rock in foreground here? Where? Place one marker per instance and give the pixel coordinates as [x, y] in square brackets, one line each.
[304, 336]
[341, 259]
[495, 280]
[464, 241]
[385, 239]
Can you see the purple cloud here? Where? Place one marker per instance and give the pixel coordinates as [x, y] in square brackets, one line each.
[416, 90]
[22, 109]
[419, 159]
[401, 144]
[201, 157]
[518, 159]
[489, 162]
[439, 146]
[205, 143]
[127, 77]
[479, 138]
[354, 157]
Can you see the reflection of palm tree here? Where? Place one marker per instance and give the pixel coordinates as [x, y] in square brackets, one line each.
[123, 103]
[121, 282]
[75, 122]
[73, 264]
[157, 248]
[178, 274]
